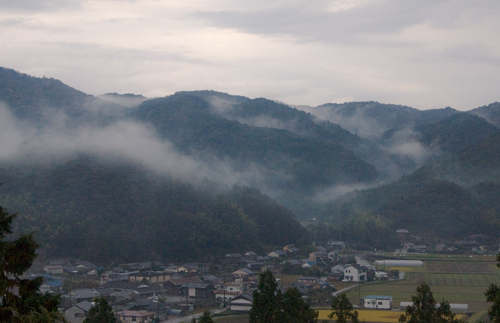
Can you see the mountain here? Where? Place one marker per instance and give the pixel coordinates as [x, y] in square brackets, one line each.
[372, 120]
[103, 211]
[170, 174]
[448, 198]
[291, 166]
[490, 113]
[40, 100]
[456, 132]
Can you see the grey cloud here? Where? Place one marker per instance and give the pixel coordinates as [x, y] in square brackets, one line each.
[38, 5]
[305, 22]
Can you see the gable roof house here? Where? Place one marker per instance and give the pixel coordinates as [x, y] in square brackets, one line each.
[355, 273]
[190, 268]
[241, 303]
[276, 254]
[197, 290]
[83, 294]
[242, 273]
[233, 258]
[78, 312]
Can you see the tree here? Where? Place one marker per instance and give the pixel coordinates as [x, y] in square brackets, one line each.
[493, 296]
[101, 312]
[205, 318]
[16, 256]
[425, 308]
[343, 311]
[270, 305]
[266, 300]
[295, 310]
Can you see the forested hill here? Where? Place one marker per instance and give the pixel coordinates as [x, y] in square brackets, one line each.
[448, 198]
[137, 174]
[99, 211]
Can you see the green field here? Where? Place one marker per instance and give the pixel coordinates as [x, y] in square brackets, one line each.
[457, 279]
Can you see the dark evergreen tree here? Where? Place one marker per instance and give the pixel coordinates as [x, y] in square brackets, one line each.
[16, 257]
[101, 312]
[205, 318]
[270, 305]
[425, 308]
[266, 300]
[295, 310]
[493, 296]
[343, 311]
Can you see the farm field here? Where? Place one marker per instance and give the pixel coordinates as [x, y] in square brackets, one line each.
[369, 315]
[457, 279]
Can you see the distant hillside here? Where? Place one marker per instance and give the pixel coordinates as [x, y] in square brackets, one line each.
[373, 119]
[489, 112]
[93, 210]
[456, 132]
[136, 174]
[448, 198]
[301, 164]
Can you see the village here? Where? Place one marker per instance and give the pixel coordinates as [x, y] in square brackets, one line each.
[155, 292]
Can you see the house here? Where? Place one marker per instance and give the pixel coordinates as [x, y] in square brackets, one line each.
[233, 258]
[241, 303]
[197, 290]
[317, 255]
[54, 270]
[78, 312]
[378, 301]
[84, 294]
[150, 305]
[242, 273]
[290, 249]
[255, 266]
[292, 262]
[140, 290]
[380, 275]
[319, 284]
[337, 272]
[355, 273]
[191, 268]
[336, 245]
[276, 254]
[250, 255]
[85, 266]
[136, 316]
[332, 255]
[149, 276]
[307, 281]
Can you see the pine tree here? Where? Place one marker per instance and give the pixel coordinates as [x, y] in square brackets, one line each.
[295, 310]
[270, 305]
[101, 312]
[16, 257]
[343, 311]
[425, 308]
[205, 318]
[266, 300]
[493, 296]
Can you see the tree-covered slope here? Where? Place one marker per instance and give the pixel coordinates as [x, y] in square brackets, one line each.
[456, 132]
[189, 123]
[100, 211]
[450, 197]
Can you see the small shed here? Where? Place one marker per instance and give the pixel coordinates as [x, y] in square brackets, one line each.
[378, 301]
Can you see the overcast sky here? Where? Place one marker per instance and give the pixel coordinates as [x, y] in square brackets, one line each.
[421, 53]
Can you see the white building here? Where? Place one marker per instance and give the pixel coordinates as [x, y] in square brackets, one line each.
[355, 273]
[378, 301]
